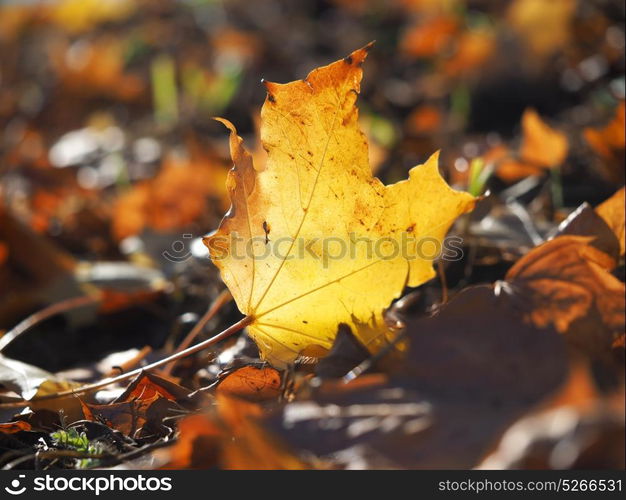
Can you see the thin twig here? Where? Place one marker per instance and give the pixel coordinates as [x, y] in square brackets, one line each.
[242, 323]
[127, 365]
[221, 300]
[35, 318]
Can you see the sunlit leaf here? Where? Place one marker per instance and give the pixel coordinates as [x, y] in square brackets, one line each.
[317, 192]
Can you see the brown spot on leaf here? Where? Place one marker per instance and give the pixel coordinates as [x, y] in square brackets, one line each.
[266, 229]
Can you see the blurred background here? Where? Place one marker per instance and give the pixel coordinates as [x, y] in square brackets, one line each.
[111, 167]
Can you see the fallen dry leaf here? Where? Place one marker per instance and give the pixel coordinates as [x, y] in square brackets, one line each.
[566, 282]
[585, 221]
[542, 148]
[251, 446]
[542, 145]
[13, 427]
[430, 37]
[149, 385]
[251, 383]
[176, 197]
[473, 50]
[197, 446]
[128, 417]
[141, 407]
[28, 382]
[580, 390]
[315, 197]
[229, 438]
[425, 119]
[609, 139]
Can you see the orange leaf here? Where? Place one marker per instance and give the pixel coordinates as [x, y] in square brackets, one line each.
[424, 119]
[255, 384]
[579, 390]
[542, 148]
[148, 386]
[13, 427]
[429, 38]
[608, 141]
[230, 439]
[569, 285]
[175, 198]
[474, 48]
[197, 445]
[126, 417]
[542, 145]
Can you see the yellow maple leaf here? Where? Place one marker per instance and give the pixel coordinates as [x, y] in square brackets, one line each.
[313, 240]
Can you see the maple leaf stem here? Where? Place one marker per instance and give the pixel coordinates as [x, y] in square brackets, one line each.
[232, 329]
